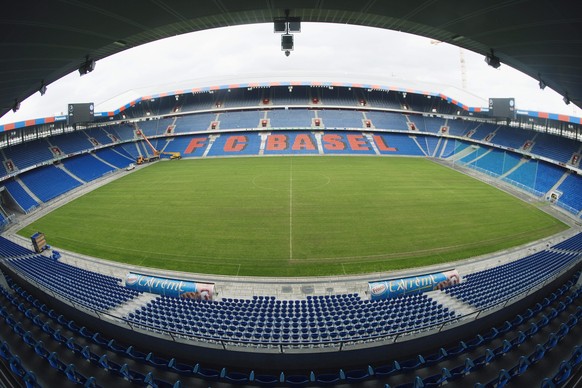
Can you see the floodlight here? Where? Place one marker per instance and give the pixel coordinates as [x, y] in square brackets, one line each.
[42, 89]
[287, 42]
[566, 99]
[541, 83]
[285, 25]
[87, 66]
[16, 106]
[280, 25]
[492, 60]
[294, 24]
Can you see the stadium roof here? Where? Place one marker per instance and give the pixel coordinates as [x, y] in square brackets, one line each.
[43, 41]
[271, 79]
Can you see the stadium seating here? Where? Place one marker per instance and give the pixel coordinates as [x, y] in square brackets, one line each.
[87, 167]
[194, 123]
[574, 244]
[339, 97]
[459, 127]
[29, 154]
[341, 118]
[482, 131]
[242, 144]
[429, 144]
[196, 102]
[41, 334]
[453, 147]
[571, 190]
[99, 134]
[155, 127]
[378, 99]
[22, 198]
[48, 182]
[122, 132]
[489, 287]
[92, 290]
[555, 147]
[512, 137]
[113, 157]
[493, 161]
[72, 142]
[291, 142]
[335, 143]
[282, 97]
[403, 144]
[297, 118]
[240, 120]
[131, 149]
[387, 120]
[537, 176]
[269, 321]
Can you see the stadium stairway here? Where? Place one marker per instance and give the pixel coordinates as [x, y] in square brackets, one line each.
[453, 304]
[60, 166]
[511, 170]
[105, 161]
[462, 154]
[27, 190]
[415, 139]
[559, 182]
[132, 304]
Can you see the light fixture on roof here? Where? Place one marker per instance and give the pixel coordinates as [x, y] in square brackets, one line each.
[87, 66]
[16, 105]
[566, 99]
[42, 89]
[542, 84]
[286, 25]
[280, 25]
[287, 43]
[492, 60]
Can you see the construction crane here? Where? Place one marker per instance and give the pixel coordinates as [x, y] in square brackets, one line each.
[156, 153]
[462, 62]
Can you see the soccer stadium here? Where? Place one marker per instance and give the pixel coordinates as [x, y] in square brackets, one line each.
[292, 232]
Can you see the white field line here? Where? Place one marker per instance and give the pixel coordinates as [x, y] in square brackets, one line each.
[291, 210]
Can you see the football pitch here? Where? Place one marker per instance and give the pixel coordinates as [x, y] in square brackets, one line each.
[293, 216]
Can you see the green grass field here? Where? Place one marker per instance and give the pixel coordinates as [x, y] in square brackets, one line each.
[293, 216]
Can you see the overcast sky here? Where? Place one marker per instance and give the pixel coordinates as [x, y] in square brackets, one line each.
[232, 54]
